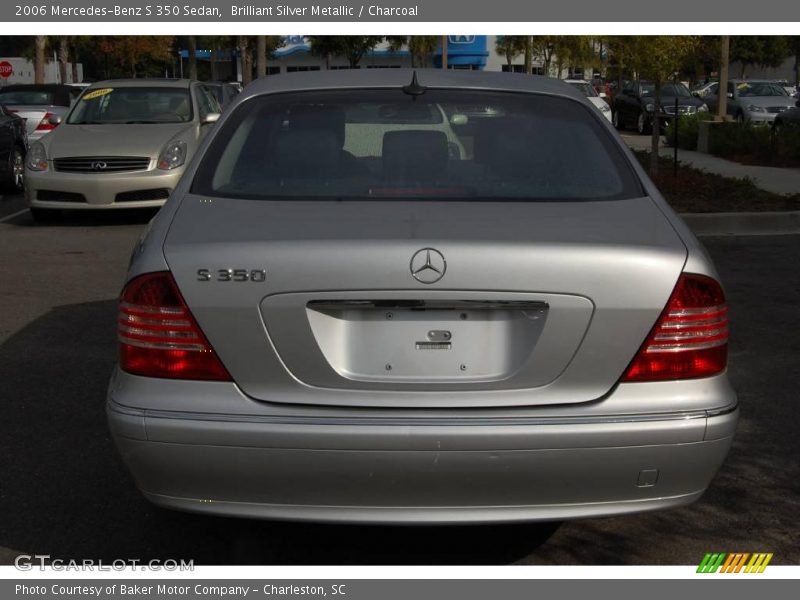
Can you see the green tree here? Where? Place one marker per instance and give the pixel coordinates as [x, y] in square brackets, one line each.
[510, 46]
[759, 50]
[658, 58]
[352, 47]
[421, 47]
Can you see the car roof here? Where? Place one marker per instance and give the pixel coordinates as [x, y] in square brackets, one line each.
[46, 87]
[751, 81]
[143, 82]
[393, 78]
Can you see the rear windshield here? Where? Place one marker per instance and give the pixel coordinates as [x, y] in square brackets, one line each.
[584, 88]
[109, 105]
[30, 97]
[387, 144]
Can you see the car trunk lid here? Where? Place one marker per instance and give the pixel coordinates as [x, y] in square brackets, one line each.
[315, 301]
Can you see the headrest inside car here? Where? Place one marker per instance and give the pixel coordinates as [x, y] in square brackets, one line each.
[414, 155]
[311, 118]
[307, 154]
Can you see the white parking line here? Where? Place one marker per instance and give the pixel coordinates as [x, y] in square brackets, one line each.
[11, 216]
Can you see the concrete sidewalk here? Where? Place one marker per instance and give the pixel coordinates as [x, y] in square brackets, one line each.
[772, 179]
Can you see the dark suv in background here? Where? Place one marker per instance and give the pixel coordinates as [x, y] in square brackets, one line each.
[634, 105]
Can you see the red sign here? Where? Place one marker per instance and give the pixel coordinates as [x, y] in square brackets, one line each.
[6, 70]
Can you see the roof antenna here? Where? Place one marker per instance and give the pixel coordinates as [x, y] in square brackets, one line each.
[414, 88]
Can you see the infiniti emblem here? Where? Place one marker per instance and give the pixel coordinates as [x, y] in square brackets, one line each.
[99, 165]
[428, 265]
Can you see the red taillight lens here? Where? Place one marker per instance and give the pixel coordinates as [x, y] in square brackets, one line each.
[690, 338]
[158, 336]
[45, 124]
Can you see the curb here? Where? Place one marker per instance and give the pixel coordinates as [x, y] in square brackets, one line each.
[744, 223]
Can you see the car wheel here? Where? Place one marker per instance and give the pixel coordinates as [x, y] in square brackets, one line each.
[740, 117]
[44, 215]
[15, 181]
[616, 119]
[642, 125]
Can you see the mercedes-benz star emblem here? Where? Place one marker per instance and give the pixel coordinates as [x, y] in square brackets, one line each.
[99, 165]
[428, 265]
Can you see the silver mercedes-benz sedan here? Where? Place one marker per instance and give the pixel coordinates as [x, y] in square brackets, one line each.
[124, 144]
[366, 302]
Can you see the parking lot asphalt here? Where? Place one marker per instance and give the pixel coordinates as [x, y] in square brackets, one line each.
[65, 493]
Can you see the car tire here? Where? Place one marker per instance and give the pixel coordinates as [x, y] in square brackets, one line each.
[44, 215]
[15, 180]
[740, 117]
[616, 120]
[642, 125]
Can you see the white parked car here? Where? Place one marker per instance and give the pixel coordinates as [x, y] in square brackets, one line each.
[586, 88]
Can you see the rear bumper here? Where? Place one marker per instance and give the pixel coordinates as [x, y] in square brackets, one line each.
[371, 471]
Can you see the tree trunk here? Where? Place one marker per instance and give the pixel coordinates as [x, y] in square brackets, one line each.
[38, 59]
[192, 43]
[213, 61]
[722, 92]
[63, 58]
[74, 55]
[261, 56]
[528, 54]
[244, 57]
[656, 133]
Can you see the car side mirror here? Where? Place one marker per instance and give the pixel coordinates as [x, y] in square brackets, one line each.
[458, 119]
[210, 118]
[54, 120]
[602, 95]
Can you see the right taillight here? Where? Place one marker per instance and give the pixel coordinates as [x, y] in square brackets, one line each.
[158, 336]
[690, 338]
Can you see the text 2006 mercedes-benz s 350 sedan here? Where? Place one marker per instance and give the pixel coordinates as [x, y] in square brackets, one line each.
[440, 297]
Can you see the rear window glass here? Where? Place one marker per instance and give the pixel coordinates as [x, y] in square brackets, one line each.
[132, 105]
[30, 97]
[387, 144]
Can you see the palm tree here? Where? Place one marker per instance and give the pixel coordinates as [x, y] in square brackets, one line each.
[38, 58]
[63, 57]
[192, 43]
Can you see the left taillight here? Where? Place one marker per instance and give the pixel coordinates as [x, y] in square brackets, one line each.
[45, 124]
[159, 337]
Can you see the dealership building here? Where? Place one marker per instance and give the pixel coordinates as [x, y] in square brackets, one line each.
[467, 52]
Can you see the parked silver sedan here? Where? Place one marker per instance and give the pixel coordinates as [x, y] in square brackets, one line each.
[340, 315]
[752, 100]
[124, 144]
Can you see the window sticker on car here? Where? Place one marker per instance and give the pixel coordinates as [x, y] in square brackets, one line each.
[97, 93]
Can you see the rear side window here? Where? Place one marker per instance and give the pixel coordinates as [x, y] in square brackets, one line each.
[440, 145]
[31, 97]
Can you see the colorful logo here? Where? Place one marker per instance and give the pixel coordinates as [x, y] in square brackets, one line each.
[735, 562]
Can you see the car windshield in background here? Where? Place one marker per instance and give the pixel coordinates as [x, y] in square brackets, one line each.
[387, 144]
[760, 89]
[669, 90]
[132, 105]
[585, 88]
[27, 97]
